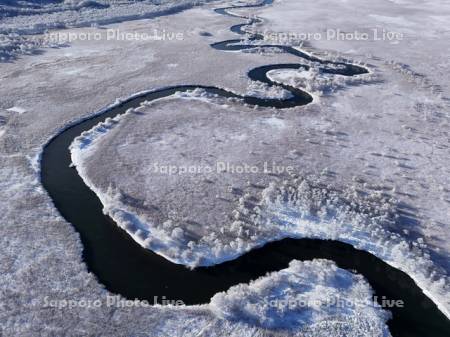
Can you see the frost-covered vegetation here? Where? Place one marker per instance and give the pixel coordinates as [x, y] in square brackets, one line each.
[378, 151]
[20, 20]
[315, 81]
[314, 297]
[204, 218]
[263, 90]
[34, 16]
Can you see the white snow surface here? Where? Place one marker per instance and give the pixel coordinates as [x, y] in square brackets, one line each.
[391, 139]
[263, 90]
[314, 296]
[287, 206]
[21, 21]
[41, 258]
[32, 17]
[317, 82]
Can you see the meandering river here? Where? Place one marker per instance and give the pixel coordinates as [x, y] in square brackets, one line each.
[125, 268]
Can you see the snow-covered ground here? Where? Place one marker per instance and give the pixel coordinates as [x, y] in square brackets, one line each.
[380, 147]
[20, 21]
[308, 296]
[408, 109]
[387, 138]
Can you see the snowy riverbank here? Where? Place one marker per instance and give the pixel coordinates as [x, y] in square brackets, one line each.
[387, 138]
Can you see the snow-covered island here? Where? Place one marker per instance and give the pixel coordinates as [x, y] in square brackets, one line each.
[202, 179]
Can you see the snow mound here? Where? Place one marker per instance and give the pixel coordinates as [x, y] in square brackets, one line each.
[315, 81]
[305, 296]
[263, 90]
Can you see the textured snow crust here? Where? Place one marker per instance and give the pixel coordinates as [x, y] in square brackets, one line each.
[20, 21]
[391, 139]
[205, 217]
[314, 296]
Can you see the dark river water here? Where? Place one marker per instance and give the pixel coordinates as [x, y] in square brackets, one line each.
[125, 268]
